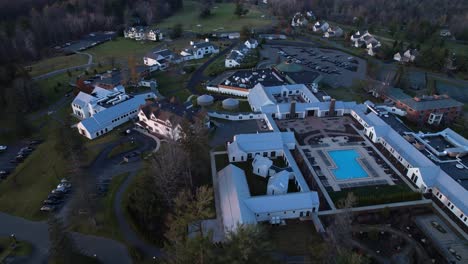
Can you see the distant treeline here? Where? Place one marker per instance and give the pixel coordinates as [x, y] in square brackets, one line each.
[29, 28]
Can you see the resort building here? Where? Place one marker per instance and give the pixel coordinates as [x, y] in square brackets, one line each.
[241, 82]
[434, 110]
[440, 168]
[276, 203]
[114, 110]
[160, 59]
[166, 119]
[198, 50]
[143, 33]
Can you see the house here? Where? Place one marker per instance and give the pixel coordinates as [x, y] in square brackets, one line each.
[445, 33]
[333, 32]
[199, 50]
[407, 56]
[143, 33]
[114, 111]
[251, 43]
[160, 58]
[236, 56]
[433, 110]
[234, 59]
[367, 41]
[310, 16]
[154, 34]
[299, 20]
[165, 119]
[320, 26]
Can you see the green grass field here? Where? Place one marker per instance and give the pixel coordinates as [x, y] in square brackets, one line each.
[121, 49]
[222, 18]
[24, 190]
[22, 249]
[56, 63]
[372, 195]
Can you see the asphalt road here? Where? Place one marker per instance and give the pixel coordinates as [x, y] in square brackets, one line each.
[53, 73]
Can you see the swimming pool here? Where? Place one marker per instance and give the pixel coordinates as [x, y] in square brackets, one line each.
[347, 165]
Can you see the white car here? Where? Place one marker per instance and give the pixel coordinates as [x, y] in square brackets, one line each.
[2, 148]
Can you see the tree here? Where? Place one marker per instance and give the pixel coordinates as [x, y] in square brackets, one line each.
[177, 31]
[133, 71]
[248, 244]
[62, 247]
[245, 33]
[240, 10]
[205, 10]
[171, 171]
[189, 209]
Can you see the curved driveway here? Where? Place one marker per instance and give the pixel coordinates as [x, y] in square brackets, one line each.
[59, 71]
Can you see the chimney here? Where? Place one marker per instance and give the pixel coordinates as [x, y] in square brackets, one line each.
[292, 109]
[331, 111]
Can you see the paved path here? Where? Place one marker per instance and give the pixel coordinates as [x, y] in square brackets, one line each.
[59, 71]
[36, 233]
[376, 207]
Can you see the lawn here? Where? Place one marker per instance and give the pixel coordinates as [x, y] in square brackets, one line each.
[24, 190]
[121, 49]
[257, 184]
[372, 195]
[222, 19]
[122, 148]
[57, 63]
[22, 249]
[106, 222]
[172, 83]
[294, 239]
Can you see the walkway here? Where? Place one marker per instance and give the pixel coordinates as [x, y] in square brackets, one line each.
[36, 233]
[376, 207]
[59, 71]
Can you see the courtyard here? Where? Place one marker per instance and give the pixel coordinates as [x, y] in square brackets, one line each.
[339, 155]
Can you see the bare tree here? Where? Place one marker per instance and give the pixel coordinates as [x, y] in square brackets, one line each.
[171, 171]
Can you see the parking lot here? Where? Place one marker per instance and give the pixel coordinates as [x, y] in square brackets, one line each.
[336, 67]
[14, 155]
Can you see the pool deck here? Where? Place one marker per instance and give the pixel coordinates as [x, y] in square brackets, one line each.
[376, 176]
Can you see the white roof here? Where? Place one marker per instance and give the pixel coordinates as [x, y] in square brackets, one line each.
[261, 141]
[279, 181]
[283, 202]
[260, 161]
[82, 99]
[105, 117]
[101, 92]
[233, 189]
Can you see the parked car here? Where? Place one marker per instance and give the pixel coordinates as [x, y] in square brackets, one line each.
[64, 185]
[52, 202]
[35, 142]
[438, 227]
[55, 196]
[4, 174]
[48, 208]
[3, 148]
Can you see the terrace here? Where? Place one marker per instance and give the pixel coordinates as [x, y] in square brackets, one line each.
[326, 143]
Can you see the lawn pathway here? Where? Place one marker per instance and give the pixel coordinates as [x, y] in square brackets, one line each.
[59, 71]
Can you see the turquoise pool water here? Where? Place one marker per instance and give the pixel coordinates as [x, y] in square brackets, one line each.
[347, 165]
